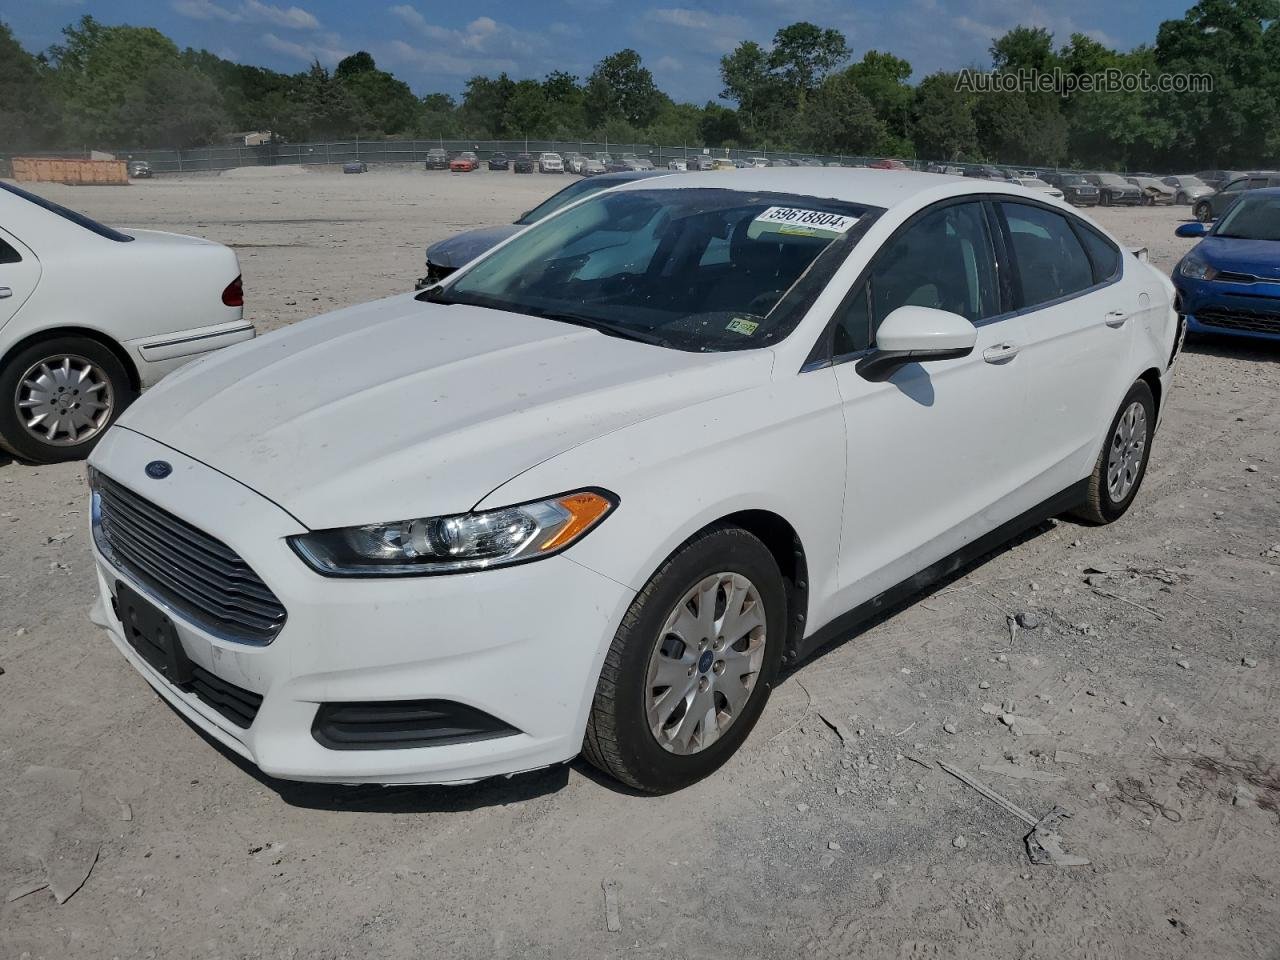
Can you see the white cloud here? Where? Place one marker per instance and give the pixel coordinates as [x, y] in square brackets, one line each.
[697, 29]
[249, 11]
[292, 18]
[483, 45]
[204, 10]
[326, 49]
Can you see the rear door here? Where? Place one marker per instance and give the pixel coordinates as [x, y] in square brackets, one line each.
[932, 450]
[1078, 313]
[19, 274]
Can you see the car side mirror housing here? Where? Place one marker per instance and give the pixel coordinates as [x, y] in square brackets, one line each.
[914, 335]
[1191, 230]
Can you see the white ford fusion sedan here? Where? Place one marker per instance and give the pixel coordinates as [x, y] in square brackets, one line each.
[594, 490]
[90, 315]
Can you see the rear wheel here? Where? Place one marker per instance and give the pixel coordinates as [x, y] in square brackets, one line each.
[1122, 464]
[59, 396]
[692, 664]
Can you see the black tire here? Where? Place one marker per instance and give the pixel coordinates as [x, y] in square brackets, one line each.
[1099, 506]
[1203, 212]
[1105, 199]
[1180, 198]
[14, 436]
[618, 739]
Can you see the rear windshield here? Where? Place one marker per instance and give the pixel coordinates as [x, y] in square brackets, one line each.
[93, 226]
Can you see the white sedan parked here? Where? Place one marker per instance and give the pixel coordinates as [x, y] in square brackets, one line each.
[592, 491]
[90, 315]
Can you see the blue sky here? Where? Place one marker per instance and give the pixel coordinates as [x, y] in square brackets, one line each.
[436, 45]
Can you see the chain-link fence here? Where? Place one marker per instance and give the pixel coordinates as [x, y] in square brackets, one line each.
[202, 159]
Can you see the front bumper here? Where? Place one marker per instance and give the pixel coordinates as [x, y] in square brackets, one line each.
[1230, 309]
[523, 644]
[156, 356]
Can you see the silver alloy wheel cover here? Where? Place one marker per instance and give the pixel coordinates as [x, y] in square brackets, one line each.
[1124, 458]
[64, 400]
[705, 664]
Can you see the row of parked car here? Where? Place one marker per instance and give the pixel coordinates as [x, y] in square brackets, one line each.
[1208, 192]
[584, 164]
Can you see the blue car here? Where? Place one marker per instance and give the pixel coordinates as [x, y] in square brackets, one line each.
[1230, 281]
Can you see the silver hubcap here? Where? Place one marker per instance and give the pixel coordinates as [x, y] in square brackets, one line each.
[1127, 446]
[706, 663]
[64, 400]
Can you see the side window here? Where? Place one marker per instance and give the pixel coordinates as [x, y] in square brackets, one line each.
[1050, 262]
[1235, 186]
[1103, 254]
[8, 254]
[1256, 183]
[943, 260]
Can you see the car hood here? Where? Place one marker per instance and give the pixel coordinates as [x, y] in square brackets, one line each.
[1259, 257]
[399, 409]
[465, 247]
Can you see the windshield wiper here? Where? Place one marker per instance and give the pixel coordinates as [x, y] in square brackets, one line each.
[436, 295]
[603, 326]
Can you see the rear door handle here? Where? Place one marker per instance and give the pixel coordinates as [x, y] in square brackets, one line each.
[1116, 318]
[1000, 353]
[5, 292]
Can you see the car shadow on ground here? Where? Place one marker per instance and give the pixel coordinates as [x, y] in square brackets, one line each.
[498, 791]
[888, 613]
[395, 798]
[1232, 348]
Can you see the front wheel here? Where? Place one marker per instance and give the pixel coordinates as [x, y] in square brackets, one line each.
[1122, 464]
[59, 396]
[692, 664]
[1203, 212]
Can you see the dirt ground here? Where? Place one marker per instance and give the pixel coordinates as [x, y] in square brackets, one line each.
[1149, 693]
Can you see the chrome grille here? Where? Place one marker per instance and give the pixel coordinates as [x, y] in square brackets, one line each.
[197, 575]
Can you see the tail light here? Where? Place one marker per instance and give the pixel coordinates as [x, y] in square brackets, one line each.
[233, 296]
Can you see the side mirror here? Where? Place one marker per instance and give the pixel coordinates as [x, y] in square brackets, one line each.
[1191, 230]
[914, 335]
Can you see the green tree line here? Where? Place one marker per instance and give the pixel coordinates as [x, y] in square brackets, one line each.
[125, 86]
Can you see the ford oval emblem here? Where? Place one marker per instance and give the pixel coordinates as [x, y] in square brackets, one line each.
[158, 469]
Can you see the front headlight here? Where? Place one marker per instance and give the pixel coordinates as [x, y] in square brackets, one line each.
[458, 543]
[1196, 269]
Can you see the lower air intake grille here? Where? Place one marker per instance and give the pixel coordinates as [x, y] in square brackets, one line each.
[400, 724]
[238, 705]
[1253, 321]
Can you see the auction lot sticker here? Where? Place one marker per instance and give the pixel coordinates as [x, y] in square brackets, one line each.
[799, 220]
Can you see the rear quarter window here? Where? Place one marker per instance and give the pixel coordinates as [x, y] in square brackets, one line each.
[8, 254]
[1103, 254]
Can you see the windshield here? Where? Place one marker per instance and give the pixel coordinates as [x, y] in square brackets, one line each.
[693, 269]
[575, 191]
[1253, 217]
[1113, 179]
[1074, 180]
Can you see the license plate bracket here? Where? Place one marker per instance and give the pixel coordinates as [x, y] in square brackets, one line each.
[152, 634]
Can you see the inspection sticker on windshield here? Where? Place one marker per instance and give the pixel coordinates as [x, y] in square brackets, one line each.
[788, 219]
[744, 327]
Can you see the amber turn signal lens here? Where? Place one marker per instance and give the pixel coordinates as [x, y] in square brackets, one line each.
[585, 509]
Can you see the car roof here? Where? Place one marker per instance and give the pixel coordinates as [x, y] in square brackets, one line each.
[862, 185]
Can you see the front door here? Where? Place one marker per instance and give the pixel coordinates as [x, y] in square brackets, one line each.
[932, 451]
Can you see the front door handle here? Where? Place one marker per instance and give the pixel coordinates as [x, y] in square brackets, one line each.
[1116, 318]
[5, 292]
[1000, 353]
